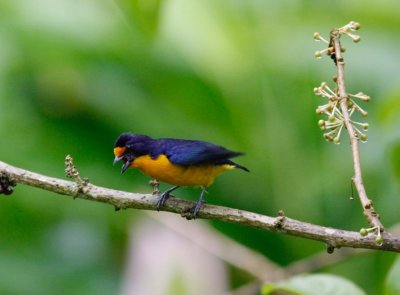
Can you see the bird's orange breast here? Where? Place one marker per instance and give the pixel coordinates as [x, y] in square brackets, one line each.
[162, 169]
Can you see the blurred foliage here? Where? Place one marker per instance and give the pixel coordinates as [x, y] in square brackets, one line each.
[313, 285]
[392, 284]
[75, 74]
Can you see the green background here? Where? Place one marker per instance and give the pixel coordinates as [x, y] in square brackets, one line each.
[76, 74]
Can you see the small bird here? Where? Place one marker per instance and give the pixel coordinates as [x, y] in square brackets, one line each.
[178, 162]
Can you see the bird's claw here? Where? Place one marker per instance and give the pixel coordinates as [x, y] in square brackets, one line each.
[164, 197]
[161, 201]
[196, 209]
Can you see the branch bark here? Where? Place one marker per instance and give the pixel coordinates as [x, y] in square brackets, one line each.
[334, 238]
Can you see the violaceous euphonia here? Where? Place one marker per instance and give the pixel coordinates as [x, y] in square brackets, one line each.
[178, 162]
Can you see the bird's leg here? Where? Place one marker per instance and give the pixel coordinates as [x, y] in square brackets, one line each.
[199, 202]
[164, 196]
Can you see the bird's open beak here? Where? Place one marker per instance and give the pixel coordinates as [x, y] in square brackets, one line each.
[127, 162]
[117, 159]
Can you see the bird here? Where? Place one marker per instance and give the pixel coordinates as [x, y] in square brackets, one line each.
[179, 162]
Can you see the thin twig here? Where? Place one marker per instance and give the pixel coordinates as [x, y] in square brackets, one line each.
[120, 199]
[368, 209]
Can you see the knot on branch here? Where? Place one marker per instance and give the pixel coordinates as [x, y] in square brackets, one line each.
[187, 214]
[72, 172]
[280, 219]
[330, 249]
[6, 185]
[368, 205]
[155, 184]
[119, 207]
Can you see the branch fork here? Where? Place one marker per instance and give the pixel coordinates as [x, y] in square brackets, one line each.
[340, 108]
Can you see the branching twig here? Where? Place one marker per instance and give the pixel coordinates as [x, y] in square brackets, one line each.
[339, 109]
[120, 199]
[369, 211]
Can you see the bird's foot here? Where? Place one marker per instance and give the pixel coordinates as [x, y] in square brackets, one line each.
[199, 203]
[163, 198]
[196, 209]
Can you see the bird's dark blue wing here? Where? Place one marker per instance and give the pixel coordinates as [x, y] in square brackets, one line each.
[194, 152]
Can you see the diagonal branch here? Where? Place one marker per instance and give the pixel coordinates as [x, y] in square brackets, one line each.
[368, 209]
[334, 238]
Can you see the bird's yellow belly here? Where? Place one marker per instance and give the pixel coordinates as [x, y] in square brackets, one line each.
[163, 170]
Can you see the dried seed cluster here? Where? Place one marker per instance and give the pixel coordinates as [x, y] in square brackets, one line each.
[347, 30]
[334, 122]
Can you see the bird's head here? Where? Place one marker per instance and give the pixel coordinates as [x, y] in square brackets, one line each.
[128, 147]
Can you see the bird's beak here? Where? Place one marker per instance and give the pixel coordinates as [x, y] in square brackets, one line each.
[120, 155]
[127, 163]
[117, 159]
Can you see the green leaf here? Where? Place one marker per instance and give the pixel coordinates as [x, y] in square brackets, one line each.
[319, 284]
[392, 285]
[271, 289]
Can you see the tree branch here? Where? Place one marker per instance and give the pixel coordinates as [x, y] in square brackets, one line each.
[369, 211]
[334, 238]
